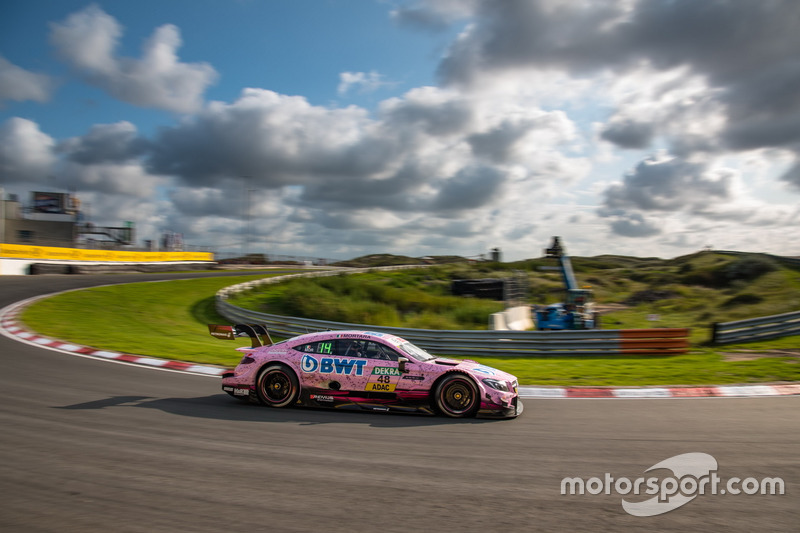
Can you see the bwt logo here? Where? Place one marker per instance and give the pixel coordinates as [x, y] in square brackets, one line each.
[694, 474]
[333, 365]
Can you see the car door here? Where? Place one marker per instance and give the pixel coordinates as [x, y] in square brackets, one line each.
[378, 367]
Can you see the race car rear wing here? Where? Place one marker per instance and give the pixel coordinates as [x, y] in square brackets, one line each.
[258, 333]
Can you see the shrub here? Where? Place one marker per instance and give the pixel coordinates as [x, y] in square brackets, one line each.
[742, 299]
[431, 321]
[649, 296]
[749, 268]
[720, 276]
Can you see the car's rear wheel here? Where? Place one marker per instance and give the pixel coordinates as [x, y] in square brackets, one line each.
[457, 396]
[277, 386]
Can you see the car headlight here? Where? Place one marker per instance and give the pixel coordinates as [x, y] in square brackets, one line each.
[497, 385]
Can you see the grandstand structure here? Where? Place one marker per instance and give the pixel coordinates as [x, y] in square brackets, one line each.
[51, 234]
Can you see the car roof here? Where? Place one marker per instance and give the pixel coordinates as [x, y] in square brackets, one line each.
[350, 334]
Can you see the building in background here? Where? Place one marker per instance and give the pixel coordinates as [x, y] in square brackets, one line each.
[48, 222]
[55, 219]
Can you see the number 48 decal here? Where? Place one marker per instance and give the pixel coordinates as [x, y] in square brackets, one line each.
[381, 379]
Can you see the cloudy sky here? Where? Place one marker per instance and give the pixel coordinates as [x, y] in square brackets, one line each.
[438, 127]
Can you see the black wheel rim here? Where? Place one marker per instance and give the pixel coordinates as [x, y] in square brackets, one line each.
[276, 387]
[458, 397]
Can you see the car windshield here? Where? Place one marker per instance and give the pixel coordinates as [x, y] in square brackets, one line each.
[416, 352]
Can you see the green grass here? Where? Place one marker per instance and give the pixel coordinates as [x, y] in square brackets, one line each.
[703, 367]
[160, 319]
[168, 319]
[412, 299]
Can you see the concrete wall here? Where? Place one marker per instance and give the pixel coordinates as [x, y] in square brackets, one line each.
[514, 319]
[41, 232]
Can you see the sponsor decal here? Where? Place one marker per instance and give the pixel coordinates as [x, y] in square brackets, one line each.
[241, 392]
[385, 371]
[383, 380]
[358, 335]
[227, 389]
[484, 370]
[309, 364]
[414, 378]
[333, 365]
[380, 387]
[397, 341]
[321, 397]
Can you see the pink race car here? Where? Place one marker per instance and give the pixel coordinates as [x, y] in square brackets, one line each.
[363, 370]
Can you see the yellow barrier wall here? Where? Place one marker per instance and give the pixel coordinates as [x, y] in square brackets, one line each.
[17, 251]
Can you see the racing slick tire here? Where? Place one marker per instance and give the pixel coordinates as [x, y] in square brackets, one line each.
[457, 396]
[277, 386]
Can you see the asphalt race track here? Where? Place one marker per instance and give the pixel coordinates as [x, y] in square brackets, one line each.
[89, 445]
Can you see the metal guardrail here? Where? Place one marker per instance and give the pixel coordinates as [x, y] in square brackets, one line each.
[756, 329]
[666, 341]
[760, 328]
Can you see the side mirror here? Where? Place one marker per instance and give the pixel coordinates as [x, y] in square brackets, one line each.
[401, 364]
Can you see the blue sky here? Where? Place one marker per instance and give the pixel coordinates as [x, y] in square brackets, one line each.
[412, 127]
[291, 47]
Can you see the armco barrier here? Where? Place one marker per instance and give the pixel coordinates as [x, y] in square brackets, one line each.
[663, 341]
[756, 329]
[666, 341]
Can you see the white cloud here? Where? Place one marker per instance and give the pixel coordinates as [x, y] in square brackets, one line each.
[363, 82]
[113, 179]
[27, 155]
[19, 84]
[545, 123]
[87, 40]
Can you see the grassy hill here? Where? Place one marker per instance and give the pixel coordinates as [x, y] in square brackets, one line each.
[690, 291]
[168, 319]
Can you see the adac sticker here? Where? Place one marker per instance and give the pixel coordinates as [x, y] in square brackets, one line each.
[382, 387]
[383, 378]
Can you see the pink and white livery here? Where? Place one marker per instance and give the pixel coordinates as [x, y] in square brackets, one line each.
[363, 370]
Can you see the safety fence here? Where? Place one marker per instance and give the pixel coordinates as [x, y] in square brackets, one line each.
[39, 253]
[115, 268]
[658, 341]
[756, 329]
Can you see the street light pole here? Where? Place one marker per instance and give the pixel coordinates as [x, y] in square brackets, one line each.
[2, 216]
[245, 217]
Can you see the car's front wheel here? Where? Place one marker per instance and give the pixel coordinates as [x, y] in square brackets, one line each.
[277, 386]
[457, 396]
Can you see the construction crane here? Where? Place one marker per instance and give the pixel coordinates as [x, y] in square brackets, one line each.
[577, 310]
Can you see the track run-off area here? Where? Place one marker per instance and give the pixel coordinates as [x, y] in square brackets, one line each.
[92, 446]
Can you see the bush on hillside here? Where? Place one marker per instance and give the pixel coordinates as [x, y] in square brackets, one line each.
[742, 299]
[746, 268]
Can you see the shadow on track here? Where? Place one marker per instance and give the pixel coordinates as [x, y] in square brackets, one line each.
[220, 407]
